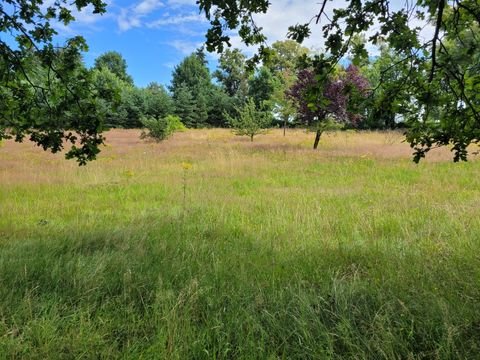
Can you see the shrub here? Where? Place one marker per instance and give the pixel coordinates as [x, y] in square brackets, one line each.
[162, 128]
[174, 124]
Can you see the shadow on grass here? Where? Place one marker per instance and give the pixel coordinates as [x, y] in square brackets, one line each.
[182, 287]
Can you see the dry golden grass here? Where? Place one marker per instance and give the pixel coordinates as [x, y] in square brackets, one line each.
[124, 150]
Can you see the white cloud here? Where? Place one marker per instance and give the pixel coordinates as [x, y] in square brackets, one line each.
[177, 3]
[132, 16]
[236, 42]
[284, 13]
[280, 15]
[84, 18]
[184, 46]
[147, 6]
[126, 21]
[86, 15]
[176, 20]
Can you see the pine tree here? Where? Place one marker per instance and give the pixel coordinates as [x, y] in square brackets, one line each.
[201, 110]
[191, 73]
[185, 106]
[193, 76]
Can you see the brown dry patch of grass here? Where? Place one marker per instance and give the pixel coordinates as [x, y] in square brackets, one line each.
[125, 153]
[374, 144]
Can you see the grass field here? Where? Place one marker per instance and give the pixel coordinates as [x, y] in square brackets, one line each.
[263, 250]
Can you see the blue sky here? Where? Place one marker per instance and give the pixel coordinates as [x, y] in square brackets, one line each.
[152, 35]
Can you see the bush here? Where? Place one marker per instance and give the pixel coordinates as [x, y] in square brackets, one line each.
[162, 128]
[174, 124]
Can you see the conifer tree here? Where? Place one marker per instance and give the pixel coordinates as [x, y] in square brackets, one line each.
[185, 106]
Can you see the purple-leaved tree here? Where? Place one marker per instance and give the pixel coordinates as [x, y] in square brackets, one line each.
[340, 101]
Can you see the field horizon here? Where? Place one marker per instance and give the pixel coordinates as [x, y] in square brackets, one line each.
[207, 245]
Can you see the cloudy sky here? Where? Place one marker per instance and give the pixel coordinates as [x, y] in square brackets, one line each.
[155, 35]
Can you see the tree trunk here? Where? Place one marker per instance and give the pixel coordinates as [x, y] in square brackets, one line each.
[251, 138]
[284, 126]
[317, 139]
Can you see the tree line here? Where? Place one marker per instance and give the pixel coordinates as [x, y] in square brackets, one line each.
[276, 93]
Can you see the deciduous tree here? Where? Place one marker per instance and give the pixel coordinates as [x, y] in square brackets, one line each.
[285, 56]
[114, 61]
[261, 86]
[45, 94]
[337, 103]
[232, 73]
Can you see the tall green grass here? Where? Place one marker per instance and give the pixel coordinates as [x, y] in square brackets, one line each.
[278, 254]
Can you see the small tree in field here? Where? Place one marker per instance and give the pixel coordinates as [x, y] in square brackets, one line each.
[250, 121]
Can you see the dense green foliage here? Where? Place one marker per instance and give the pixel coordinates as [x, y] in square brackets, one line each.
[158, 103]
[285, 56]
[389, 99]
[114, 62]
[193, 96]
[126, 103]
[232, 74]
[198, 101]
[45, 93]
[109, 94]
[261, 87]
[191, 87]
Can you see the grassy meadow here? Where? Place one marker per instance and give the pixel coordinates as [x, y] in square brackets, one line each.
[208, 246]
